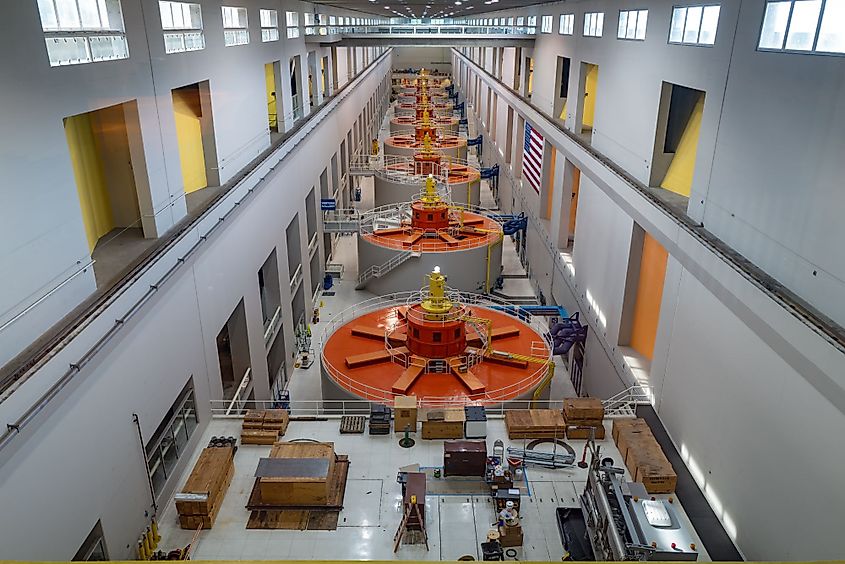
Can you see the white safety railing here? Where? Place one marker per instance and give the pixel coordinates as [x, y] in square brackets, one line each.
[236, 404]
[444, 30]
[346, 220]
[334, 409]
[379, 270]
[477, 303]
[398, 168]
[273, 326]
[398, 216]
[624, 404]
[296, 279]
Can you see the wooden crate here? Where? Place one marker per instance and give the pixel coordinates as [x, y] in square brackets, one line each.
[276, 419]
[297, 490]
[195, 521]
[405, 413]
[449, 426]
[577, 410]
[620, 424]
[656, 479]
[579, 432]
[211, 475]
[535, 424]
[258, 437]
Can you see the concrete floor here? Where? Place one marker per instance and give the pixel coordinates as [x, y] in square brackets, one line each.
[116, 250]
[456, 524]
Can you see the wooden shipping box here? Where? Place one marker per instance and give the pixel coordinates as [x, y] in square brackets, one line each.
[621, 424]
[405, 413]
[308, 488]
[582, 432]
[535, 424]
[577, 410]
[444, 424]
[211, 475]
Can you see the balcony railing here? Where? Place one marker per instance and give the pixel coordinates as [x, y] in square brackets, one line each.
[447, 30]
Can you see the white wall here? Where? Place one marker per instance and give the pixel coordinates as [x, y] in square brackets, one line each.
[42, 238]
[735, 374]
[80, 459]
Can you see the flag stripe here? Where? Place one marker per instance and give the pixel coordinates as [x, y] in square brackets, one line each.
[532, 157]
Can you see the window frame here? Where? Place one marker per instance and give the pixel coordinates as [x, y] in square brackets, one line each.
[291, 30]
[697, 43]
[564, 18]
[546, 19]
[156, 447]
[238, 31]
[598, 16]
[268, 28]
[87, 37]
[784, 48]
[637, 12]
[182, 32]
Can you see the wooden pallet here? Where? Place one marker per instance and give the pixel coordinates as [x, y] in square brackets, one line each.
[535, 424]
[352, 424]
[301, 518]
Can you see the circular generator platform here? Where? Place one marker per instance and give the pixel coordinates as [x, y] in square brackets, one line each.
[468, 247]
[438, 109]
[393, 348]
[408, 146]
[447, 125]
[401, 179]
[413, 98]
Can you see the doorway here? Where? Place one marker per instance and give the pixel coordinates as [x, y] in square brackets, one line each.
[588, 88]
[561, 88]
[233, 355]
[195, 137]
[676, 138]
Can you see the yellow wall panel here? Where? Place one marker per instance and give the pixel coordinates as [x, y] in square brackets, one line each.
[649, 294]
[678, 178]
[573, 205]
[90, 179]
[189, 136]
[270, 83]
[590, 88]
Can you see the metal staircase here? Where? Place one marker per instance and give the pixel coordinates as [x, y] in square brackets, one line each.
[379, 270]
[624, 404]
[342, 221]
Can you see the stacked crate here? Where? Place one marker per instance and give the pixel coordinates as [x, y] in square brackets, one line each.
[583, 417]
[264, 426]
[643, 456]
[535, 424]
[199, 501]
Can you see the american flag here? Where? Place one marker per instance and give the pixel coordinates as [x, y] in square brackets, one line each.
[532, 157]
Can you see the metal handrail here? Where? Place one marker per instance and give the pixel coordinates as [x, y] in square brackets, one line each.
[271, 327]
[443, 30]
[379, 270]
[400, 168]
[339, 408]
[241, 387]
[394, 213]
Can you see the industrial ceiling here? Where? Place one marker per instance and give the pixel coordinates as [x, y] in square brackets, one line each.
[426, 8]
